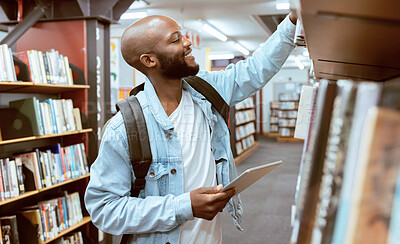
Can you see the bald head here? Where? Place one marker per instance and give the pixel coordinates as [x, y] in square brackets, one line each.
[141, 37]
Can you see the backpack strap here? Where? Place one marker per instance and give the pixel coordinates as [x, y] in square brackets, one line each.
[204, 88]
[138, 141]
[210, 94]
[136, 90]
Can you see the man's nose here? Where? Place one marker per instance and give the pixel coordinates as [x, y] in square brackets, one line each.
[186, 42]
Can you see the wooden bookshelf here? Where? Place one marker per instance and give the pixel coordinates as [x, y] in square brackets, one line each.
[32, 193]
[247, 152]
[288, 139]
[84, 221]
[241, 138]
[245, 122]
[29, 87]
[247, 108]
[32, 138]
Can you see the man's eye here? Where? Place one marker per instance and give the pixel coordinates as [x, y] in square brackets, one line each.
[177, 40]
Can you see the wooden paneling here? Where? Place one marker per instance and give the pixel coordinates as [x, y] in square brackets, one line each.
[355, 39]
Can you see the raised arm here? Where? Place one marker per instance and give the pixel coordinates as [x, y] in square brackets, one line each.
[243, 79]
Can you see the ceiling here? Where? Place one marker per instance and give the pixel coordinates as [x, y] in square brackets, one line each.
[246, 22]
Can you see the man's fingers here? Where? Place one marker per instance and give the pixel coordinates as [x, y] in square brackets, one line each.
[210, 190]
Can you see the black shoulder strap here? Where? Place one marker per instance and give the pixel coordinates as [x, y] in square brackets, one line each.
[211, 94]
[138, 141]
[205, 89]
[136, 90]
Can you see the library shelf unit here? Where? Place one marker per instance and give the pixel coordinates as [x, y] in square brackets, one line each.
[243, 131]
[348, 160]
[83, 222]
[283, 119]
[11, 147]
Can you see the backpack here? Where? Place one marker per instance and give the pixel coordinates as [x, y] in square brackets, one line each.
[137, 134]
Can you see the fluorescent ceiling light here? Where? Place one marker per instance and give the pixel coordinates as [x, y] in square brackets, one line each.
[221, 56]
[298, 62]
[134, 15]
[138, 4]
[282, 5]
[241, 49]
[216, 33]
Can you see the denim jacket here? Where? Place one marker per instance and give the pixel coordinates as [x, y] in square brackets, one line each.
[162, 206]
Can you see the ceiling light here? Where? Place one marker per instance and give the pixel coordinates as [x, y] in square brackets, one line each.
[221, 56]
[138, 4]
[214, 32]
[134, 15]
[298, 62]
[306, 53]
[241, 49]
[282, 5]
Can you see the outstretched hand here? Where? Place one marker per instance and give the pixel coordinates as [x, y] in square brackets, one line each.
[209, 201]
[293, 17]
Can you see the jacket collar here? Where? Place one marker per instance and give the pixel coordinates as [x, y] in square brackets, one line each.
[158, 111]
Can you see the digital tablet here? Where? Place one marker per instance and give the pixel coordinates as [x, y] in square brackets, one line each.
[251, 175]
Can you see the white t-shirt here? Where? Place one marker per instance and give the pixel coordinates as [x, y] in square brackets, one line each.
[198, 166]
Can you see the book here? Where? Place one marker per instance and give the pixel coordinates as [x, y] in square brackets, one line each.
[9, 229]
[28, 107]
[368, 96]
[312, 167]
[377, 178]
[13, 178]
[336, 151]
[31, 222]
[303, 114]
[6, 182]
[77, 118]
[20, 178]
[31, 171]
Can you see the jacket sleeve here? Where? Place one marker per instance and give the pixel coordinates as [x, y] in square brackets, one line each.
[107, 196]
[241, 80]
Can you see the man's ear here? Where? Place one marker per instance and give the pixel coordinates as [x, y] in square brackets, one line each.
[148, 60]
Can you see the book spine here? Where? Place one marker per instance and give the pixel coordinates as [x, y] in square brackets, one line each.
[46, 67]
[20, 178]
[39, 116]
[6, 182]
[40, 168]
[13, 178]
[2, 198]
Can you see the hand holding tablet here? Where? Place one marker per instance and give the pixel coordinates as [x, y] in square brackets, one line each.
[250, 176]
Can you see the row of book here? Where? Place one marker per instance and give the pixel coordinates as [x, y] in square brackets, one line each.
[7, 70]
[286, 114]
[73, 238]
[244, 116]
[43, 221]
[348, 188]
[48, 67]
[244, 144]
[50, 116]
[247, 103]
[294, 96]
[276, 105]
[287, 122]
[274, 128]
[285, 131]
[245, 130]
[40, 169]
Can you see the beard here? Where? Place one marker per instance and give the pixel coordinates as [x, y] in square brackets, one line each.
[176, 68]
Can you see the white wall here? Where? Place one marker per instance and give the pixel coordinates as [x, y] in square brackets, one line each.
[284, 75]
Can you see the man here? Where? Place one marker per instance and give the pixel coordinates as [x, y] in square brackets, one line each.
[182, 198]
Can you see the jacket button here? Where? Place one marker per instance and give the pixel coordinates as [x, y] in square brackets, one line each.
[152, 174]
[173, 171]
[169, 135]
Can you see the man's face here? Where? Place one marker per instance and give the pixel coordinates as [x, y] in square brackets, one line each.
[174, 53]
